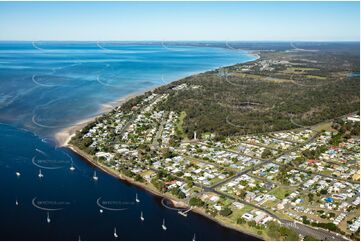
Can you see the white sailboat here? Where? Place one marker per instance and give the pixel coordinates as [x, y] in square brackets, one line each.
[163, 225]
[136, 198]
[16, 202]
[48, 218]
[40, 175]
[72, 168]
[95, 178]
[141, 216]
[18, 174]
[115, 233]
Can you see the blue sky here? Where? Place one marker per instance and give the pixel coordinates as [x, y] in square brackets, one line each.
[179, 21]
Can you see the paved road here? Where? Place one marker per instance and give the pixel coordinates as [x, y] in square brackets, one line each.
[130, 121]
[241, 173]
[155, 143]
[300, 228]
[314, 232]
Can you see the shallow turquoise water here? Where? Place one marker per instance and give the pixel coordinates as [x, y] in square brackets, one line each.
[47, 86]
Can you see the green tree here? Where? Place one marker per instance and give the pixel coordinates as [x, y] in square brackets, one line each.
[225, 212]
[194, 201]
[266, 154]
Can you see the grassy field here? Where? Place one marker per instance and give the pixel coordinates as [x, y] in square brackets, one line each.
[316, 77]
[298, 70]
[280, 192]
[179, 125]
[323, 126]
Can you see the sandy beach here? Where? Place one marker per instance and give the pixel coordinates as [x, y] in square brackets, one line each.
[63, 136]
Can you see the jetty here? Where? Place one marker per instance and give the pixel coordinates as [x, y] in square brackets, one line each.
[184, 213]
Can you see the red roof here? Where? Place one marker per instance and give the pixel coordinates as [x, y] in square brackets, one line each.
[312, 161]
[171, 182]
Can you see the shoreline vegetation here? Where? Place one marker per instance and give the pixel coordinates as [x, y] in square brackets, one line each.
[65, 136]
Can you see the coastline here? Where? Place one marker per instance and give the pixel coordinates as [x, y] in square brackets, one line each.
[254, 53]
[87, 158]
[64, 136]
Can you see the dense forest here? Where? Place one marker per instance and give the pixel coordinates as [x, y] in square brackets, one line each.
[281, 90]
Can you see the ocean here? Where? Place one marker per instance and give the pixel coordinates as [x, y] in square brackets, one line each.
[48, 86]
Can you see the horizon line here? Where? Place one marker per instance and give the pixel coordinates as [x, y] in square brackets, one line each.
[180, 40]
